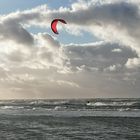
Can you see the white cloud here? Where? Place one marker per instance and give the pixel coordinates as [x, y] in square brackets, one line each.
[38, 65]
[133, 63]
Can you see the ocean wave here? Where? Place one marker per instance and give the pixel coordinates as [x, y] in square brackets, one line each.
[110, 103]
[39, 102]
[88, 104]
[11, 107]
[124, 109]
[60, 108]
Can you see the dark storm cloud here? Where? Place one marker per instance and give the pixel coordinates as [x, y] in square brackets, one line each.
[100, 55]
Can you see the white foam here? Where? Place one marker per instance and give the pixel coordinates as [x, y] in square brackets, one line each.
[110, 103]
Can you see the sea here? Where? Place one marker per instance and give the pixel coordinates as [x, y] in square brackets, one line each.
[74, 119]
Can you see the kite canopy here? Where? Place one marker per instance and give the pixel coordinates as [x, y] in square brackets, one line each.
[54, 25]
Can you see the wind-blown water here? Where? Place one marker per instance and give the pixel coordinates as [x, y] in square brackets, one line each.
[95, 119]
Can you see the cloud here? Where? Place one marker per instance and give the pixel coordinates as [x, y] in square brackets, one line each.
[12, 31]
[133, 63]
[114, 22]
[98, 55]
[39, 66]
[109, 20]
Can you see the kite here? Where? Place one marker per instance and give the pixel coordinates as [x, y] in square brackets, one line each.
[54, 25]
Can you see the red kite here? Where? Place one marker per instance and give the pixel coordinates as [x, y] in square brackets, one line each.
[54, 25]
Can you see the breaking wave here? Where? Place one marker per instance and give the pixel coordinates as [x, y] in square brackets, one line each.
[111, 103]
[81, 104]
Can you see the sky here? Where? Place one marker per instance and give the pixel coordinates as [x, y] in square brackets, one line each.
[95, 55]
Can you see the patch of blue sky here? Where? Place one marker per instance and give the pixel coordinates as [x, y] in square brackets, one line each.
[66, 38]
[86, 37]
[7, 6]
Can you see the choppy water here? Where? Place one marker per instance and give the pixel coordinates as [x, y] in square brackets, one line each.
[93, 119]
